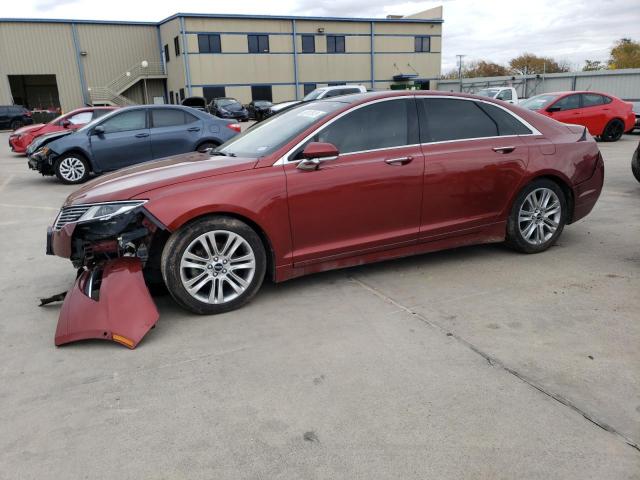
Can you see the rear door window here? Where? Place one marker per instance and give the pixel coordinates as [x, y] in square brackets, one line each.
[592, 99]
[167, 117]
[380, 125]
[446, 119]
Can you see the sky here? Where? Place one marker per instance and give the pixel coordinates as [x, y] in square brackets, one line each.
[493, 30]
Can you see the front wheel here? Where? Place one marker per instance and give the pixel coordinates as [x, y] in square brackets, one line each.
[635, 164]
[72, 168]
[613, 131]
[537, 217]
[213, 265]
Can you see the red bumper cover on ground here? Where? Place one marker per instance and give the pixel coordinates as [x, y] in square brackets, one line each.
[110, 302]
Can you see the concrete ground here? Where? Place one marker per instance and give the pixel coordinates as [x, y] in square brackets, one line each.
[477, 363]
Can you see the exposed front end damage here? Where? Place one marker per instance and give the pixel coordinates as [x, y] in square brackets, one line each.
[110, 244]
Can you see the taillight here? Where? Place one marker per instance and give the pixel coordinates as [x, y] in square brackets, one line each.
[234, 126]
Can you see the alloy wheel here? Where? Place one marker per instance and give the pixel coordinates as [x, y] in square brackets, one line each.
[71, 169]
[217, 267]
[539, 216]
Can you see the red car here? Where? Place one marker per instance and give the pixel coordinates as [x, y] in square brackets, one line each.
[328, 184]
[606, 116]
[20, 139]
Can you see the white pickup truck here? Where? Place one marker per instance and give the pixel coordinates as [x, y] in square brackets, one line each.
[506, 94]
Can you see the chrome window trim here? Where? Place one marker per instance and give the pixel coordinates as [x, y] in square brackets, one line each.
[535, 132]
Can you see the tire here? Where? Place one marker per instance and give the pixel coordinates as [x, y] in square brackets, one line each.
[635, 163]
[203, 147]
[540, 229]
[215, 288]
[16, 124]
[72, 168]
[613, 131]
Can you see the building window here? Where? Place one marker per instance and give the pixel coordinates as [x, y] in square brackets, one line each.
[166, 53]
[209, 43]
[171, 100]
[258, 43]
[308, 43]
[181, 94]
[423, 44]
[176, 45]
[261, 92]
[335, 43]
[308, 88]
[335, 84]
[213, 92]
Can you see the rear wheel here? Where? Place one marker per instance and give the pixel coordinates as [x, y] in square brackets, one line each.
[213, 265]
[16, 124]
[72, 168]
[203, 147]
[613, 131]
[537, 217]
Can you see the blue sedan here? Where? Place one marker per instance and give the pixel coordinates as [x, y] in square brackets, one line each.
[129, 136]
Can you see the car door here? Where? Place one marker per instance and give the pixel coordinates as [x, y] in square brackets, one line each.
[474, 161]
[593, 113]
[173, 131]
[366, 199]
[125, 140]
[569, 110]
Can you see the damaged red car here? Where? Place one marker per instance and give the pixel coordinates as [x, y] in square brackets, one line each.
[325, 185]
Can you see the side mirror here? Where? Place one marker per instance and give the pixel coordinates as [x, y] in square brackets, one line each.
[99, 130]
[316, 152]
[66, 124]
[553, 109]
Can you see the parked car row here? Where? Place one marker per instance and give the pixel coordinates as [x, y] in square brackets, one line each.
[128, 136]
[227, 107]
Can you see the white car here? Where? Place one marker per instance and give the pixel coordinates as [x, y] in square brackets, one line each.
[318, 94]
[506, 94]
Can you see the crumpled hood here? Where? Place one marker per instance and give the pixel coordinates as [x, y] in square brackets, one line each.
[133, 181]
[29, 128]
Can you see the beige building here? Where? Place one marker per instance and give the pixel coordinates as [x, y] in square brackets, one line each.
[69, 63]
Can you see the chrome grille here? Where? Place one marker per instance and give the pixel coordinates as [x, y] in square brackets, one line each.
[70, 214]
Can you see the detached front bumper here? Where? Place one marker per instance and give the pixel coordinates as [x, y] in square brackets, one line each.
[108, 302]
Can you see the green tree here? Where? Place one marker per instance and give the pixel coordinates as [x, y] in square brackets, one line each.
[529, 63]
[591, 65]
[625, 54]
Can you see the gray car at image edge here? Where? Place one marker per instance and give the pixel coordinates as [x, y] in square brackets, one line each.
[129, 136]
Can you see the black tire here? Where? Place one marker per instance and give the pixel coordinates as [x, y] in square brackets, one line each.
[16, 124]
[516, 237]
[204, 146]
[613, 131]
[635, 163]
[65, 174]
[176, 247]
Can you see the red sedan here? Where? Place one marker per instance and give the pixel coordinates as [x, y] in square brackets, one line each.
[328, 184]
[604, 115]
[21, 138]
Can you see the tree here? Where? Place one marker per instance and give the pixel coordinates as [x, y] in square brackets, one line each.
[591, 65]
[625, 54]
[477, 68]
[528, 63]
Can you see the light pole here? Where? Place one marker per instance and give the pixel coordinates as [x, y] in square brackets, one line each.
[144, 64]
[460, 70]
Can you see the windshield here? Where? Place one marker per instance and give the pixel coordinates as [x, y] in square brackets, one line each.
[225, 102]
[538, 102]
[488, 92]
[313, 94]
[268, 136]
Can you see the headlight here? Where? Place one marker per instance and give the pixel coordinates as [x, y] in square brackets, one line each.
[106, 211]
[44, 151]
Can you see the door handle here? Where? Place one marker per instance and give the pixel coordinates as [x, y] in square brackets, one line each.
[193, 129]
[399, 160]
[503, 149]
[141, 135]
